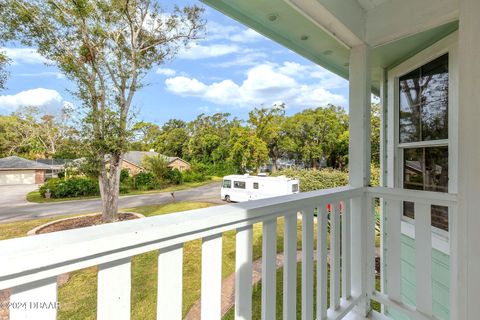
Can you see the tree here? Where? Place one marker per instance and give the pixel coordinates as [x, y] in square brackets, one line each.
[314, 133]
[105, 47]
[267, 123]
[4, 36]
[209, 137]
[172, 139]
[248, 151]
[33, 134]
[375, 134]
[144, 135]
[158, 166]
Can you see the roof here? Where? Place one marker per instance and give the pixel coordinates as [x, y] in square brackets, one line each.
[325, 30]
[247, 176]
[136, 157]
[53, 162]
[14, 162]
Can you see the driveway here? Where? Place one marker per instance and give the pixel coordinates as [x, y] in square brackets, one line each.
[13, 212]
[16, 195]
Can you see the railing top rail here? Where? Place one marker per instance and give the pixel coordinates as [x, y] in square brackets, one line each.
[430, 197]
[69, 250]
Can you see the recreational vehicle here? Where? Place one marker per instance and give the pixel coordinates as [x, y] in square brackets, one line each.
[241, 188]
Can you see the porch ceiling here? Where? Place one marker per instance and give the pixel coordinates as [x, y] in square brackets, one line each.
[323, 31]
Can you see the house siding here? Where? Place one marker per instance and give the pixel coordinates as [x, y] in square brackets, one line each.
[132, 169]
[180, 165]
[440, 280]
[39, 176]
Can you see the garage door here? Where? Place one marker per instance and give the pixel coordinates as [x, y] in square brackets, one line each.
[17, 177]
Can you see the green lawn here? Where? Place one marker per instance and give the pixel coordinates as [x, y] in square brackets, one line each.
[35, 196]
[257, 296]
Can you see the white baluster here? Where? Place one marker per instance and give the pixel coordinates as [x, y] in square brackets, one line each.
[35, 300]
[114, 286]
[393, 263]
[290, 268]
[423, 258]
[211, 295]
[170, 284]
[269, 252]
[346, 253]
[334, 257]
[243, 273]
[322, 231]
[307, 264]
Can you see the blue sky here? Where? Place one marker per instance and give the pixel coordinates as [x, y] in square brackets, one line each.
[233, 70]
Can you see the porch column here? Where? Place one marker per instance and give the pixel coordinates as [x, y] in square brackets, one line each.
[465, 253]
[359, 165]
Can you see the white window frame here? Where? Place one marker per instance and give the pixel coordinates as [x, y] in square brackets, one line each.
[449, 44]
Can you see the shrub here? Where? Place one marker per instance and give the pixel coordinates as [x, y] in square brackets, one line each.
[193, 176]
[144, 181]
[158, 166]
[61, 175]
[124, 188]
[175, 177]
[74, 187]
[316, 179]
[124, 175]
[220, 169]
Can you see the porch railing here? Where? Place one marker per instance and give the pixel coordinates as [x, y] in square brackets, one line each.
[29, 266]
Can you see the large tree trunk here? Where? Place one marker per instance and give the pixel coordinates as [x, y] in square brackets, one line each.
[274, 165]
[109, 181]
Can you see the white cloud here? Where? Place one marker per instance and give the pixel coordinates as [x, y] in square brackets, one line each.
[264, 84]
[199, 51]
[57, 75]
[217, 31]
[24, 55]
[166, 72]
[246, 36]
[46, 99]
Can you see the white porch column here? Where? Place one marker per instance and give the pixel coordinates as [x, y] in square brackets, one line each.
[465, 255]
[359, 164]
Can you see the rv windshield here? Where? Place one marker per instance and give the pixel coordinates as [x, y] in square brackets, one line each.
[227, 184]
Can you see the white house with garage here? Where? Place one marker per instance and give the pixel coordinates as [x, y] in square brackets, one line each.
[16, 170]
[421, 58]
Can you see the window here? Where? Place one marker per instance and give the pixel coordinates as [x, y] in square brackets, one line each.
[255, 185]
[423, 133]
[227, 184]
[295, 187]
[239, 184]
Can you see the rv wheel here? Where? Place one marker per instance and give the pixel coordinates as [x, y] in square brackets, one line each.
[227, 198]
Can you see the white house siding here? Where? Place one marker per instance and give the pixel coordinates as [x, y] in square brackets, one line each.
[17, 177]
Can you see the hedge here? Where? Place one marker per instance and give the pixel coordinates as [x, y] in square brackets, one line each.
[74, 187]
[324, 178]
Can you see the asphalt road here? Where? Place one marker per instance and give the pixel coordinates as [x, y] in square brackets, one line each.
[27, 210]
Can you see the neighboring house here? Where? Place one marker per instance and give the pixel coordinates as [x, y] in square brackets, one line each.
[15, 170]
[56, 166]
[132, 161]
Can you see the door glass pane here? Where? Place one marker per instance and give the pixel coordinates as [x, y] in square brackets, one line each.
[410, 107]
[434, 111]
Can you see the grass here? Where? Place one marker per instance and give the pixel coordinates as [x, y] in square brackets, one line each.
[257, 295]
[35, 196]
